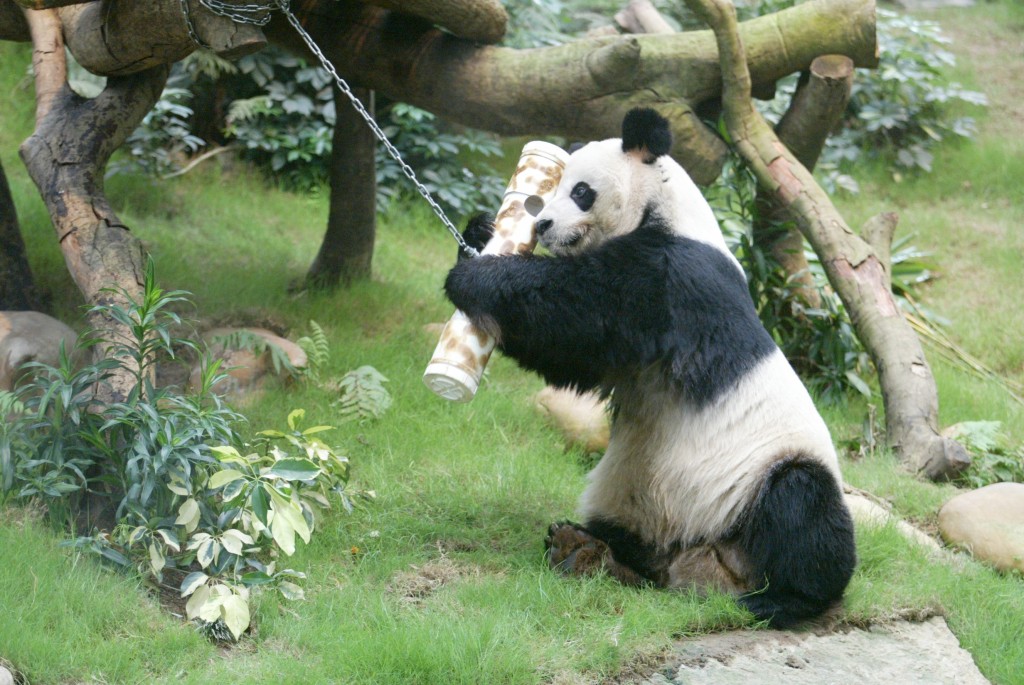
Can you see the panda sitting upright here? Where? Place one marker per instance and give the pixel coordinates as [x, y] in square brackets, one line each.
[720, 473]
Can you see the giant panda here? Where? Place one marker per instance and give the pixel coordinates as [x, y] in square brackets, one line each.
[720, 474]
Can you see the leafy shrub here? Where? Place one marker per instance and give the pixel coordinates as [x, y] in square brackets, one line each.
[898, 111]
[280, 111]
[190, 499]
[993, 459]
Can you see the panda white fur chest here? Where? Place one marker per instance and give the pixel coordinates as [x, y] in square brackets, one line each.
[720, 473]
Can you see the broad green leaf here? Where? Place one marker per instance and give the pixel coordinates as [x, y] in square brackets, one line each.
[205, 553]
[317, 429]
[295, 415]
[210, 611]
[256, 578]
[244, 538]
[291, 590]
[283, 533]
[260, 503]
[197, 601]
[156, 558]
[193, 582]
[178, 489]
[227, 453]
[291, 511]
[235, 611]
[136, 535]
[170, 539]
[188, 515]
[222, 478]
[294, 469]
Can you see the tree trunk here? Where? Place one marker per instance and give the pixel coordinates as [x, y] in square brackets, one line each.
[813, 114]
[580, 90]
[17, 290]
[66, 157]
[346, 253]
[852, 263]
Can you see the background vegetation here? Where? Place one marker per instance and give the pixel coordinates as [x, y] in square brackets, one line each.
[442, 577]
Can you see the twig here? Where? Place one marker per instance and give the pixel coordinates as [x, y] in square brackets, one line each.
[197, 160]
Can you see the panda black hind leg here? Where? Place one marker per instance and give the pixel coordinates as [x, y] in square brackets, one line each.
[798, 544]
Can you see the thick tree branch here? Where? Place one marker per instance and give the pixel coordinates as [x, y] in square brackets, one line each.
[580, 90]
[483, 21]
[118, 37]
[853, 266]
[814, 112]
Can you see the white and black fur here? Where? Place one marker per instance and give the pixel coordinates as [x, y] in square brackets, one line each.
[720, 472]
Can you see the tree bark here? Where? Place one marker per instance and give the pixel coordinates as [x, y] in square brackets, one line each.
[346, 253]
[66, 156]
[580, 90]
[813, 114]
[17, 289]
[119, 37]
[483, 21]
[852, 263]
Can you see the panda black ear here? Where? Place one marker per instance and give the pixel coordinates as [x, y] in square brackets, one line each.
[645, 130]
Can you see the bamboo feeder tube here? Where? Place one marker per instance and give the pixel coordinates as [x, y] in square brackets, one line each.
[463, 350]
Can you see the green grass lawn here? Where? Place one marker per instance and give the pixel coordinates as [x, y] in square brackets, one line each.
[441, 579]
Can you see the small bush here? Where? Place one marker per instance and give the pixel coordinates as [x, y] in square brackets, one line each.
[191, 501]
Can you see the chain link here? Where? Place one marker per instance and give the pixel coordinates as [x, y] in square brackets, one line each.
[259, 14]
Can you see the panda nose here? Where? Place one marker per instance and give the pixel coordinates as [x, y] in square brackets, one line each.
[542, 226]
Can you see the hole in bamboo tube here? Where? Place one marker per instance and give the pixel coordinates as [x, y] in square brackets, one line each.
[533, 205]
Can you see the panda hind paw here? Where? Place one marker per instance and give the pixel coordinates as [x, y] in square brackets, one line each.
[574, 551]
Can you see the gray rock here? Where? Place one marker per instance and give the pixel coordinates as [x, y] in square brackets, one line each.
[989, 523]
[900, 653]
[30, 336]
[6, 677]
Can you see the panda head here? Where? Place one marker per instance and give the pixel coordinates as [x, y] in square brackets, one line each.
[608, 185]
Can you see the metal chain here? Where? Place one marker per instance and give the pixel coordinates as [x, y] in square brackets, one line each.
[253, 14]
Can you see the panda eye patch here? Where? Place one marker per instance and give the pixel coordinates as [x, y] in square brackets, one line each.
[583, 195]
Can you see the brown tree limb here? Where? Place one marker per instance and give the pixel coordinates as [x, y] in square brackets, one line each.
[641, 16]
[482, 21]
[119, 37]
[17, 289]
[580, 90]
[814, 112]
[853, 266]
[346, 252]
[66, 156]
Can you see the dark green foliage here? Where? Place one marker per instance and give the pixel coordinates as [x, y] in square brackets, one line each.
[280, 112]
[188, 495]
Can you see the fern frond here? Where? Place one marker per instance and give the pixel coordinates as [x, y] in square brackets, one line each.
[363, 395]
[317, 349]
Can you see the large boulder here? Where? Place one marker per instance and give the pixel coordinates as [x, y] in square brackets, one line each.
[989, 523]
[30, 337]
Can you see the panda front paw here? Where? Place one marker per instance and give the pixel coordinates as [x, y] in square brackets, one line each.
[479, 231]
[570, 549]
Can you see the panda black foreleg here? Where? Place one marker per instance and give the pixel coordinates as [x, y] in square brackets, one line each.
[798, 543]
